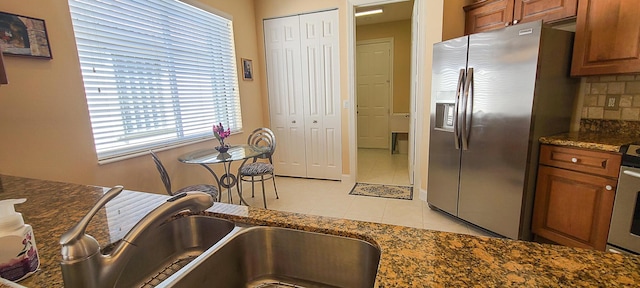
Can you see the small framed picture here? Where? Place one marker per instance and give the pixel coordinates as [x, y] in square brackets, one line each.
[21, 35]
[247, 69]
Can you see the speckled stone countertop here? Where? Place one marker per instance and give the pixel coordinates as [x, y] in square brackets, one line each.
[610, 142]
[410, 257]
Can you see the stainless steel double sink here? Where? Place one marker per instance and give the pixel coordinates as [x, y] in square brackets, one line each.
[200, 251]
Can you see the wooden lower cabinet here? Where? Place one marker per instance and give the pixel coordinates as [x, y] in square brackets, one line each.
[573, 208]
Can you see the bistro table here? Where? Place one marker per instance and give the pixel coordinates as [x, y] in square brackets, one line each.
[205, 157]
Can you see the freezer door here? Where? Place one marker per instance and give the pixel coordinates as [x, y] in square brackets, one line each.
[498, 125]
[449, 66]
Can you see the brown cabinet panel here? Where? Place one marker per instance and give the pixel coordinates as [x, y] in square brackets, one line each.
[495, 14]
[588, 161]
[573, 208]
[607, 38]
[545, 10]
[488, 15]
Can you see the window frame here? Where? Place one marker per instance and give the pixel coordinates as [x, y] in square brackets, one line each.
[134, 150]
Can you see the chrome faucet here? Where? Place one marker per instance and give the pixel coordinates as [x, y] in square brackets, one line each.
[83, 264]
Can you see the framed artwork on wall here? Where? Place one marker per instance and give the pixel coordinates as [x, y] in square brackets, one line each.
[3, 73]
[247, 69]
[25, 36]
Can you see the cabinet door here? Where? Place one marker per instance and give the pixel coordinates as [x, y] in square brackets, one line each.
[572, 208]
[607, 38]
[284, 82]
[488, 15]
[545, 10]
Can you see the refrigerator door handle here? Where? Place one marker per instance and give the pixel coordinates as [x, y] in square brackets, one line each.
[468, 110]
[456, 129]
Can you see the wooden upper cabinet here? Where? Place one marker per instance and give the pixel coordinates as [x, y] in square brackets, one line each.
[545, 10]
[488, 15]
[607, 38]
[495, 14]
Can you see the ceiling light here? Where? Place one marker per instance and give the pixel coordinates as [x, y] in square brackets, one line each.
[370, 12]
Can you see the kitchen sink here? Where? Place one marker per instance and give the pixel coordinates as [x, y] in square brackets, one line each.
[164, 250]
[280, 257]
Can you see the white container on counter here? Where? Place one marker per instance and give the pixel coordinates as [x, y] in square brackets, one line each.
[18, 252]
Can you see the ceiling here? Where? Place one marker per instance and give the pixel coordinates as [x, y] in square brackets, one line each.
[392, 12]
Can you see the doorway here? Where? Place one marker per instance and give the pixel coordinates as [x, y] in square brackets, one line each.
[383, 93]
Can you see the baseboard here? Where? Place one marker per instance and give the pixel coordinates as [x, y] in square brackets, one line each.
[348, 178]
[423, 195]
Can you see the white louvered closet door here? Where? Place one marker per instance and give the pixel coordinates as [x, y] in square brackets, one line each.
[284, 80]
[321, 91]
[304, 94]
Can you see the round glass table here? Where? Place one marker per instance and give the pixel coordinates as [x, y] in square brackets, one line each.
[206, 157]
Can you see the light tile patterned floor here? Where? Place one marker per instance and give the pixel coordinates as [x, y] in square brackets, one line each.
[379, 166]
[331, 198]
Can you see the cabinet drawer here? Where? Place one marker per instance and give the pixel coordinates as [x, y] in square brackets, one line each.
[588, 161]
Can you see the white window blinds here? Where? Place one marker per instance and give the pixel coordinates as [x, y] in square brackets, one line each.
[156, 73]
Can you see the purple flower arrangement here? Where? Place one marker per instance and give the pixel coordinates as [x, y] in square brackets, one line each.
[221, 134]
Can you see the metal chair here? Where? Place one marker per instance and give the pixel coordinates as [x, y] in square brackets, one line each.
[264, 139]
[207, 188]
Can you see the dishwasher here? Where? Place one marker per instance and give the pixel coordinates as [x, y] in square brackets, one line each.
[624, 231]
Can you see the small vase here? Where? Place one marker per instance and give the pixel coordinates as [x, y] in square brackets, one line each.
[222, 148]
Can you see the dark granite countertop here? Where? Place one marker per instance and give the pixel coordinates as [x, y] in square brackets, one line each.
[609, 142]
[410, 257]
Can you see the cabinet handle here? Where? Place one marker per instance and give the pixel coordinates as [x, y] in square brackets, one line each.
[315, 121]
[574, 160]
[608, 187]
[515, 21]
[294, 121]
[506, 24]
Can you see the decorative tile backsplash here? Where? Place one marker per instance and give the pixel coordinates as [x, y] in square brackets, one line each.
[616, 127]
[612, 97]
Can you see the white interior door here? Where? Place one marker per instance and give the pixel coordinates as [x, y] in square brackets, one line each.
[373, 62]
[321, 94]
[284, 82]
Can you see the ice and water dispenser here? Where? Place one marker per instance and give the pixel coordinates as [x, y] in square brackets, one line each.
[445, 113]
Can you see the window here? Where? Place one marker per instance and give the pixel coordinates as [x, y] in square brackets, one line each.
[156, 73]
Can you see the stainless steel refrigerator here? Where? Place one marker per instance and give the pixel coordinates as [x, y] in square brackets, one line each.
[493, 95]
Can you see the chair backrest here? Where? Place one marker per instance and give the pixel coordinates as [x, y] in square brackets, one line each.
[263, 137]
[163, 173]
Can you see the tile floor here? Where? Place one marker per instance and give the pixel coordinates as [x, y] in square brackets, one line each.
[331, 198]
[379, 166]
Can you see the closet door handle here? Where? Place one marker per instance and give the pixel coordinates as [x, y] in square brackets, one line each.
[315, 121]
